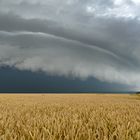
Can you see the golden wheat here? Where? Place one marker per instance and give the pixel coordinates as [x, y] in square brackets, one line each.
[69, 117]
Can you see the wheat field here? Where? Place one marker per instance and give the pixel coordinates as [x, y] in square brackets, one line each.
[69, 117]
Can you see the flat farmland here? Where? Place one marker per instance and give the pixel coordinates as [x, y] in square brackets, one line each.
[69, 117]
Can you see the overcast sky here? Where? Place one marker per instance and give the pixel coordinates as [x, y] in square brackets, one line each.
[80, 39]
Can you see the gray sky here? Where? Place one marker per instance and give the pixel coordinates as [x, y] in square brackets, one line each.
[73, 38]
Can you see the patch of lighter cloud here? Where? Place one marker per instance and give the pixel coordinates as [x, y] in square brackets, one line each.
[90, 9]
[118, 2]
[137, 2]
[124, 11]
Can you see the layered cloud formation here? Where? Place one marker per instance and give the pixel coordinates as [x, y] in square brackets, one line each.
[75, 38]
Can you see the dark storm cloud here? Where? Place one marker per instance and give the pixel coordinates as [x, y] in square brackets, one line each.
[114, 35]
[15, 81]
[79, 38]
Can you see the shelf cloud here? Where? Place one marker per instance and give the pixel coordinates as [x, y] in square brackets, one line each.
[77, 38]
